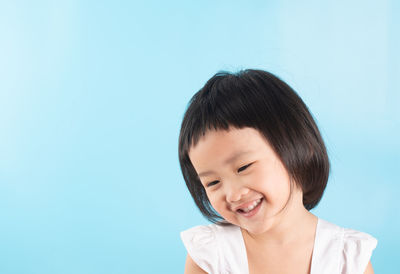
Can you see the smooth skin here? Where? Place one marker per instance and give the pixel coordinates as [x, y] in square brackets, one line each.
[239, 166]
[191, 267]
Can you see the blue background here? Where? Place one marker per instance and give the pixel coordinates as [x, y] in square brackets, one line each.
[92, 94]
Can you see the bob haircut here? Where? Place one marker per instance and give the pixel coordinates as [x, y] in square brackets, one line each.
[260, 100]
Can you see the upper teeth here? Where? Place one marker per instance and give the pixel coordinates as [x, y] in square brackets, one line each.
[253, 205]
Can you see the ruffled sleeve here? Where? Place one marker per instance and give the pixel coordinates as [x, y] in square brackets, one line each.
[357, 251]
[202, 246]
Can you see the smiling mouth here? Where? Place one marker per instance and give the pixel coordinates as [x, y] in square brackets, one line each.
[251, 208]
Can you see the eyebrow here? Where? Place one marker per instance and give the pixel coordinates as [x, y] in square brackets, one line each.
[226, 162]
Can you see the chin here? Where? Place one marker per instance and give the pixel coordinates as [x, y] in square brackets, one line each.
[259, 227]
[256, 230]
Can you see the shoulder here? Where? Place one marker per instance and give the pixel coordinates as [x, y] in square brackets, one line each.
[369, 269]
[191, 267]
[206, 245]
[353, 248]
[357, 250]
[354, 240]
[202, 247]
[199, 235]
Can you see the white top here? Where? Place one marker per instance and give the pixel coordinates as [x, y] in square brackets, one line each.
[221, 249]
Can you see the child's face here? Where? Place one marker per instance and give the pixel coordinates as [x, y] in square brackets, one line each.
[245, 181]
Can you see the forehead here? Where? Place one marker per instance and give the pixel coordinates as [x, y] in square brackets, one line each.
[222, 144]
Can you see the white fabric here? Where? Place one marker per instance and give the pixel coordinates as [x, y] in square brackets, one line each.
[221, 249]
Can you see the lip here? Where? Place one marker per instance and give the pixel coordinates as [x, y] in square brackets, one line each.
[247, 204]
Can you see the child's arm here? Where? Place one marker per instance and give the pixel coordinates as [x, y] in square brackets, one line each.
[192, 268]
[369, 269]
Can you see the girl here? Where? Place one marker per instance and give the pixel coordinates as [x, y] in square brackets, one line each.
[254, 162]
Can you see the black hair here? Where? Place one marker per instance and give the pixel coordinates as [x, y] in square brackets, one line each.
[260, 100]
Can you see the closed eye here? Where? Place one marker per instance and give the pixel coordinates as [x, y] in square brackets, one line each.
[243, 167]
[212, 183]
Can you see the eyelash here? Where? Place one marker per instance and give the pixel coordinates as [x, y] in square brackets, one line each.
[244, 167]
[212, 183]
[239, 170]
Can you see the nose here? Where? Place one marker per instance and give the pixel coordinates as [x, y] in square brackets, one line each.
[235, 192]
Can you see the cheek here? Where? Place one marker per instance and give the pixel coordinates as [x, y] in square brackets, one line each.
[263, 179]
[218, 203]
[214, 200]
[272, 182]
